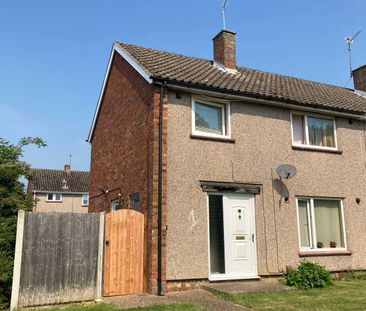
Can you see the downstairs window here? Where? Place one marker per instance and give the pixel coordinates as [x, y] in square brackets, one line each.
[321, 225]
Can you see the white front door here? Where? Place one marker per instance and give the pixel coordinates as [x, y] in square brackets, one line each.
[239, 238]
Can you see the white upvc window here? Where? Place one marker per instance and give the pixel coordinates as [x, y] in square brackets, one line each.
[321, 224]
[85, 199]
[54, 197]
[210, 118]
[314, 131]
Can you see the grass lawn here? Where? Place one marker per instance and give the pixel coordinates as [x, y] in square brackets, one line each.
[109, 307]
[344, 295]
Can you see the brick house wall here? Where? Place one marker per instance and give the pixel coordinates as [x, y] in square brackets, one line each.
[124, 155]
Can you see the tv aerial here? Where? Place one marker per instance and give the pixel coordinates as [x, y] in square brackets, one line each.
[286, 171]
[349, 40]
[223, 7]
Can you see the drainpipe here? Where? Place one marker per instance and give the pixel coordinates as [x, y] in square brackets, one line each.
[160, 191]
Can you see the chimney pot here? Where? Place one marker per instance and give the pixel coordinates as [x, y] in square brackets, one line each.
[224, 48]
[67, 168]
[359, 78]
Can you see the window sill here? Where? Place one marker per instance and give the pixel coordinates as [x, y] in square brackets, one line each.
[325, 253]
[53, 201]
[305, 148]
[219, 139]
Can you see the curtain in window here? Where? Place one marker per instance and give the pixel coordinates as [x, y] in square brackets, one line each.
[328, 223]
[303, 223]
[298, 129]
[208, 118]
[321, 132]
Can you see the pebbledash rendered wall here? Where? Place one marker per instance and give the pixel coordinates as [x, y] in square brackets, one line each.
[71, 203]
[262, 141]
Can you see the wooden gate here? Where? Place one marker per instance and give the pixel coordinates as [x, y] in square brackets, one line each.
[123, 254]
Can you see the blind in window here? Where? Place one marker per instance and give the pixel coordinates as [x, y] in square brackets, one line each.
[208, 118]
[328, 223]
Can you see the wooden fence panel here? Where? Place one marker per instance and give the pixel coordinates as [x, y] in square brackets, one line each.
[59, 258]
[123, 259]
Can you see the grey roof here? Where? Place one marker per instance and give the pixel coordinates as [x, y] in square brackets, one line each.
[201, 73]
[54, 180]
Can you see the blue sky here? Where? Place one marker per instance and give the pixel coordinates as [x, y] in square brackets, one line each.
[53, 54]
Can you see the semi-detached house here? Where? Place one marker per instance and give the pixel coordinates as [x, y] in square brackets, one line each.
[194, 145]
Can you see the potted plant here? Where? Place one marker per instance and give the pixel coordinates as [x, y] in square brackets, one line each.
[333, 244]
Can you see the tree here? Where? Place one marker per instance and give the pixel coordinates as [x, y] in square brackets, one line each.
[12, 199]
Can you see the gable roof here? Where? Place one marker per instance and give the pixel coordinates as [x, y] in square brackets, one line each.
[248, 82]
[53, 180]
[192, 72]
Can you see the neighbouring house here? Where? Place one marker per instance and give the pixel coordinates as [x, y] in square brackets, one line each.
[59, 190]
[195, 144]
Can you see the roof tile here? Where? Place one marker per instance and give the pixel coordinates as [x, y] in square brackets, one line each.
[53, 180]
[248, 82]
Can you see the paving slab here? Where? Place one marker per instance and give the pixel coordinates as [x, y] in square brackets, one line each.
[245, 287]
[205, 299]
[199, 297]
[134, 301]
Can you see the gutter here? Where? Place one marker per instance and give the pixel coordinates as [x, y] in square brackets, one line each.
[233, 95]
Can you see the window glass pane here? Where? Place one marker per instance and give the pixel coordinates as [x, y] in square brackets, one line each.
[303, 223]
[57, 196]
[208, 118]
[49, 196]
[298, 129]
[135, 201]
[329, 231]
[85, 199]
[321, 132]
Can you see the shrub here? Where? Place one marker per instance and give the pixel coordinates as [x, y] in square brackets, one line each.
[308, 275]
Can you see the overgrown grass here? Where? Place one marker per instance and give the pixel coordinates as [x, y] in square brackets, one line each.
[110, 307]
[343, 295]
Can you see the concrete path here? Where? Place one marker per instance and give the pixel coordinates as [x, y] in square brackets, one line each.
[198, 297]
[205, 299]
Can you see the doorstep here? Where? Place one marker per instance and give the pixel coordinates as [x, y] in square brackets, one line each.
[245, 287]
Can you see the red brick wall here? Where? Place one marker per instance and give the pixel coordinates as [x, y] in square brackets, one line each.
[225, 49]
[124, 153]
[359, 78]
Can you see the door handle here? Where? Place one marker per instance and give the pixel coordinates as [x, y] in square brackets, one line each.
[253, 237]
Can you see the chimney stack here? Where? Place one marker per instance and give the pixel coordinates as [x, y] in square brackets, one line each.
[359, 78]
[224, 49]
[67, 168]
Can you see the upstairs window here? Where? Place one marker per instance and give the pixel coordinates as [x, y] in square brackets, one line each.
[54, 197]
[313, 131]
[85, 199]
[321, 225]
[210, 119]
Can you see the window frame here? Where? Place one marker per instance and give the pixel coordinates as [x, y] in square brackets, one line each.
[225, 105]
[53, 197]
[306, 129]
[113, 202]
[312, 230]
[135, 197]
[82, 199]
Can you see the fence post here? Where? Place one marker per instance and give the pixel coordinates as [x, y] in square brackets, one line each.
[17, 261]
[100, 256]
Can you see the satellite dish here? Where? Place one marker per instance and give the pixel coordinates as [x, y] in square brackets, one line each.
[286, 171]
